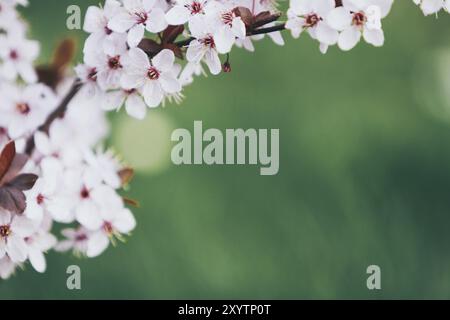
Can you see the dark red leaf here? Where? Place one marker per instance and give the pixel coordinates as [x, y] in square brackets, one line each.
[12, 199]
[18, 163]
[23, 181]
[151, 47]
[6, 158]
[245, 14]
[171, 33]
[126, 175]
[264, 18]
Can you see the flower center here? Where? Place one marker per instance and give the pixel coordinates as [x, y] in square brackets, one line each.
[81, 237]
[5, 231]
[208, 41]
[107, 226]
[195, 7]
[84, 193]
[114, 63]
[14, 55]
[141, 17]
[359, 19]
[227, 18]
[108, 31]
[312, 20]
[153, 73]
[92, 76]
[23, 108]
[40, 199]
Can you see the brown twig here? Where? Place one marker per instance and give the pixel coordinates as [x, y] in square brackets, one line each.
[57, 113]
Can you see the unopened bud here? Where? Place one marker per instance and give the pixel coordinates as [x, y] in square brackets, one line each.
[226, 67]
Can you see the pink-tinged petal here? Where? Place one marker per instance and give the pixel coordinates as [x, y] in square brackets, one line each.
[178, 15]
[277, 38]
[156, 21]
[169, 83]
[213, 62]
[148, 4]
[349, 38]
[132, 81]
[113, 100]
[132, 5]
[138, 59]
[37, 259]
[224, 40]
[27, 72]
[61, 209]
[121, 22]
[339, 19]
[135, 35]
[30, 50]
[374, 37]
[5, 218]
[22, 226]
[136, 107]
[195, 51]
[124, 221]
[93, 20]
[2, 248]
[97, 243]
[164, 60]
[34, 211]
[327, 35]
[42, 142]
[153, 94]
[87, 214]
[238, 28]
[16, 248]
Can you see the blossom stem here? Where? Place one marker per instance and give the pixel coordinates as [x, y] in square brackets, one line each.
[57, 113]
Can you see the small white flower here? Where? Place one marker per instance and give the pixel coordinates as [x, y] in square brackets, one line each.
[359, 18]
[25, 109]
[39, 243]
[203, 47]
[134, 103]
[75, 239]
[226, 25]
[18, 55]
[310, 15]
[136, 17]
[13, 231]
[96, 23]
[155, 78]
[183, 10]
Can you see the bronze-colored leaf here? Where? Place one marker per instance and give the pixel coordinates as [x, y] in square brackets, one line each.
[6, 158]
[264, 18]
[126, 175]
[12, 199]
[171, 33]
[64, 53]
[23, 181]
[175, 49]
[16, 166]
[151, 47]
[245, 14]
[131, 202]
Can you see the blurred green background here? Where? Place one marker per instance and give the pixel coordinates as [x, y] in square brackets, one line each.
[364, 176]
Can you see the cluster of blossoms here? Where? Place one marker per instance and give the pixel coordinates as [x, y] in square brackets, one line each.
[433, 6]
[51, 168]
[130, 55]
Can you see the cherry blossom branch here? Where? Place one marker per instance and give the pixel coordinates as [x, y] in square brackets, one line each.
[57, 113]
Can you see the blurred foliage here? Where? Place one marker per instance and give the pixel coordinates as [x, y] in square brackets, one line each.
[364, 177]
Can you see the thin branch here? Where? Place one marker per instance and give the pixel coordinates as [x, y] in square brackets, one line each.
[57, 113]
